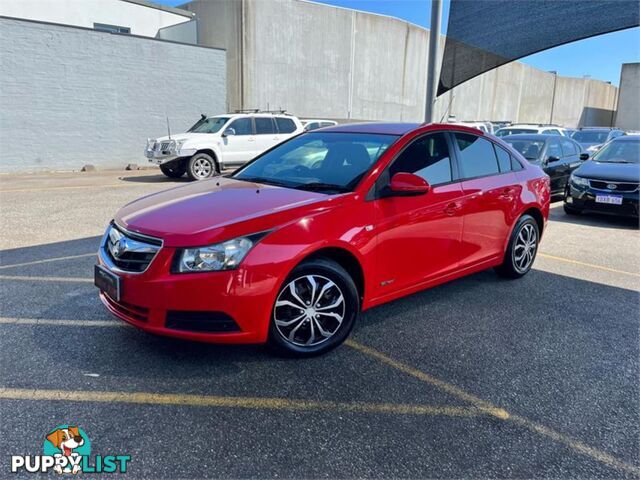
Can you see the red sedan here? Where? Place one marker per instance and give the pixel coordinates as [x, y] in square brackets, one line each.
[291, 247]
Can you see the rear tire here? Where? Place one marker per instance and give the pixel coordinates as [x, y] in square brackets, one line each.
[202, 166]
[522, 249]
[174, 169]
[315, 310]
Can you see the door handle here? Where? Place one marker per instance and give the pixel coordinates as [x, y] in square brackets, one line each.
[251, 139]
[452, 208]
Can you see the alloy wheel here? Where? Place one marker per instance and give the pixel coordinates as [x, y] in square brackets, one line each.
[309, 310]
[524, 250]
[202, 168]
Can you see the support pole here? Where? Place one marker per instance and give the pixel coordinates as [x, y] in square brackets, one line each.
[432, 59]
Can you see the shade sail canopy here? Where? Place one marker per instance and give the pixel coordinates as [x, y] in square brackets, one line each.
[482, 35]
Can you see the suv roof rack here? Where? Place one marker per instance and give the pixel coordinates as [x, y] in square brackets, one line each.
[257, 110]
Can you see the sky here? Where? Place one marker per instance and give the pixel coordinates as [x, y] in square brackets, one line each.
[598, 57]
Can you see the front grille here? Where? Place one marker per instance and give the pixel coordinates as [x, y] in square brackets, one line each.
[164, 146]
[211, 322]
[129, 251]
[134, 312]
[619, 186]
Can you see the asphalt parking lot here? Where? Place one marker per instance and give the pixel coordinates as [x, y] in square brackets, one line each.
[481, 377]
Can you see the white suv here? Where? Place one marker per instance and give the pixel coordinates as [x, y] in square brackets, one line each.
[530, 128]
[223, 141]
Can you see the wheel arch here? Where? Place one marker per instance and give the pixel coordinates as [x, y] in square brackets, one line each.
[213, 153]
[537, 216]
[346, 260]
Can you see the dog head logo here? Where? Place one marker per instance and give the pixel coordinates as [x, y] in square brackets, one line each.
[70, 443]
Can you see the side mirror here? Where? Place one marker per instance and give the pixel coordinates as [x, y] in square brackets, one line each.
[584, 156]
[228, 132]
[552, 159]
[407, 185]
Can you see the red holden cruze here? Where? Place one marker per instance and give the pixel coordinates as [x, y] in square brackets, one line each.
[293, 245]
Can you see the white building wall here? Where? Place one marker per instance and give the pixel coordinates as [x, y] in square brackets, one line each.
[142, 20]
[71, 96]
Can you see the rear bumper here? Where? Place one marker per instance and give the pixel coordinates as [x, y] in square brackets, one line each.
[583, 199]
[218, 307]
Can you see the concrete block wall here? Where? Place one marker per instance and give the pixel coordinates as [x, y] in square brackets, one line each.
[628, 114]
[71, 96]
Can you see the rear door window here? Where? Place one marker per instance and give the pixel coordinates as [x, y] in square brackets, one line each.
[285, 125]
[264, 125]
[504, 159]
[477, 156]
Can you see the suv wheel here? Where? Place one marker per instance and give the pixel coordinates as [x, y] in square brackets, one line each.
[173, 169]
[522, 249]
[201, 166]
[315, 309]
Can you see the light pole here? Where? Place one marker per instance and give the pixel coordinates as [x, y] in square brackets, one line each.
[432, 59]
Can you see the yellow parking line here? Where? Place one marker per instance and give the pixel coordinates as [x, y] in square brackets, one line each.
[497, 412]
[147, 398]
[63, 322]
[47, 260]
[584, 264]
[46, 279]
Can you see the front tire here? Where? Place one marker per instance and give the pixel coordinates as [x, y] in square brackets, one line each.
[202, 166]
[570, 210]
[522, 249]
[315, 310]
[173, 169]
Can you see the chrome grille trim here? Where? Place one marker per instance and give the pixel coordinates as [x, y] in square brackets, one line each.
[121, 247]
[627, 187]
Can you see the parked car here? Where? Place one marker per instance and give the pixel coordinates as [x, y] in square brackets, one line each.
[315, 124]
[528, 128]
[557, 156]
[214, 143]
[608, 183]
[592, 138]
[289, 251]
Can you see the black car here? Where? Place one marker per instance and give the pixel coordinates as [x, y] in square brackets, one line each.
[592, 138]
[608, 183]
[557, 156]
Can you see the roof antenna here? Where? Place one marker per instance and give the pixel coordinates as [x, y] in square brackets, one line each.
[168, 128]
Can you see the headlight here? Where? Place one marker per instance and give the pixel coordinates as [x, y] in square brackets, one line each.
[179, 144]
[219, 256]
[579, 181]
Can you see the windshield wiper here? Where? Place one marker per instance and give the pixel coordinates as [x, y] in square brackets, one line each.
[319, 186]
[265, 181]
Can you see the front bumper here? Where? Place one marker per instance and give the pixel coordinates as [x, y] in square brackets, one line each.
[583, 199]
[236, 303]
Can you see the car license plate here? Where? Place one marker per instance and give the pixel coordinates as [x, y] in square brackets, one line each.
[610, 199]
[107, 282]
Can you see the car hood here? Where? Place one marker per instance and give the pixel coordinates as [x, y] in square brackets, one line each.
[617, 172]
[213, 210]
[586, 145]
[185, 136]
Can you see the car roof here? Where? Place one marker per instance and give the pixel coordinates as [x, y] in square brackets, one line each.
[627, 138]
[401, 128]
[373, 127]
[530, 136]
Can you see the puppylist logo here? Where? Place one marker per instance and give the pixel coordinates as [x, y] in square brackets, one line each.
[67, 450]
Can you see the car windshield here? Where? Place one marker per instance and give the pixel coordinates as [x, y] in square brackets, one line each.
[210, 125]
[321, 161]
[591, 136]
[625, 151]
[530, 149]
[503, 132]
